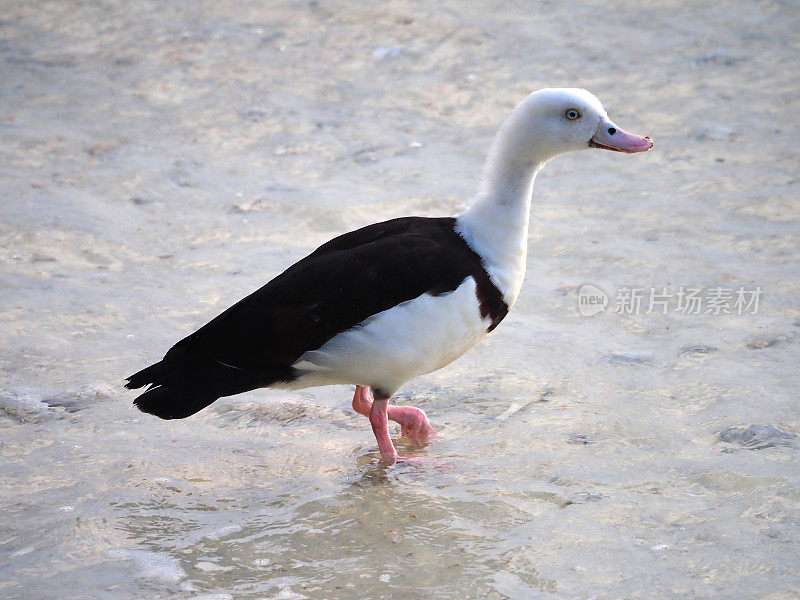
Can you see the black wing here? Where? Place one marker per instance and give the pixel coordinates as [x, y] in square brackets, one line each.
[356, 275]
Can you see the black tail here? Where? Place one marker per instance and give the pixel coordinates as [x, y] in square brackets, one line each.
[181, 388]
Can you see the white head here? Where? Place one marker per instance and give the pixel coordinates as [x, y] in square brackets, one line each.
[547, 123]
[552, 121]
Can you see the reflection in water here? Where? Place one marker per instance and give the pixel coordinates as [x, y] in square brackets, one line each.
[405, 528]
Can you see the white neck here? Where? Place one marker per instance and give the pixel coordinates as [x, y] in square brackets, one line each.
[496, 224]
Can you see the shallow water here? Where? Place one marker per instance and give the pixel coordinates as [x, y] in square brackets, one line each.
[162, 160]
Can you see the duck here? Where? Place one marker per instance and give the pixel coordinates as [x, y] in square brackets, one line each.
[386, 303]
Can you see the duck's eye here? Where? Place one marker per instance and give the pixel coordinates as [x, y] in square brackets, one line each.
[572, 114]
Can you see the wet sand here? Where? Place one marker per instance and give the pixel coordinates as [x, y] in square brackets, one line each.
[161, 160]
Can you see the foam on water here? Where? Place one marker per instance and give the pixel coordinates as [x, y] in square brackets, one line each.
[157, 565]
[31, 405]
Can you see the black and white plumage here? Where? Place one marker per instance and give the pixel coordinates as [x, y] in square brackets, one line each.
[381, 305]
[268, 338]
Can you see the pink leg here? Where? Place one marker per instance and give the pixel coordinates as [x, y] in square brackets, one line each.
[379, 420]
[413, 421]
[362, 401]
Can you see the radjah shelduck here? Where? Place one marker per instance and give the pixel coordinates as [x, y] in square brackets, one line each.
[381, 305]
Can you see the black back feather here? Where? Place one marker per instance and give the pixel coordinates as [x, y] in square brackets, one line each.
[254, 343]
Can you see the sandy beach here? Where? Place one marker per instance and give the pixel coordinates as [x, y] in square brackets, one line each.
[161, 160]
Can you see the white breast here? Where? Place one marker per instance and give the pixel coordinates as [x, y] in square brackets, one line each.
[398, 344]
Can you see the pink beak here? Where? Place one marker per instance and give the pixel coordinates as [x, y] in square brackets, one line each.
[611, 137]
